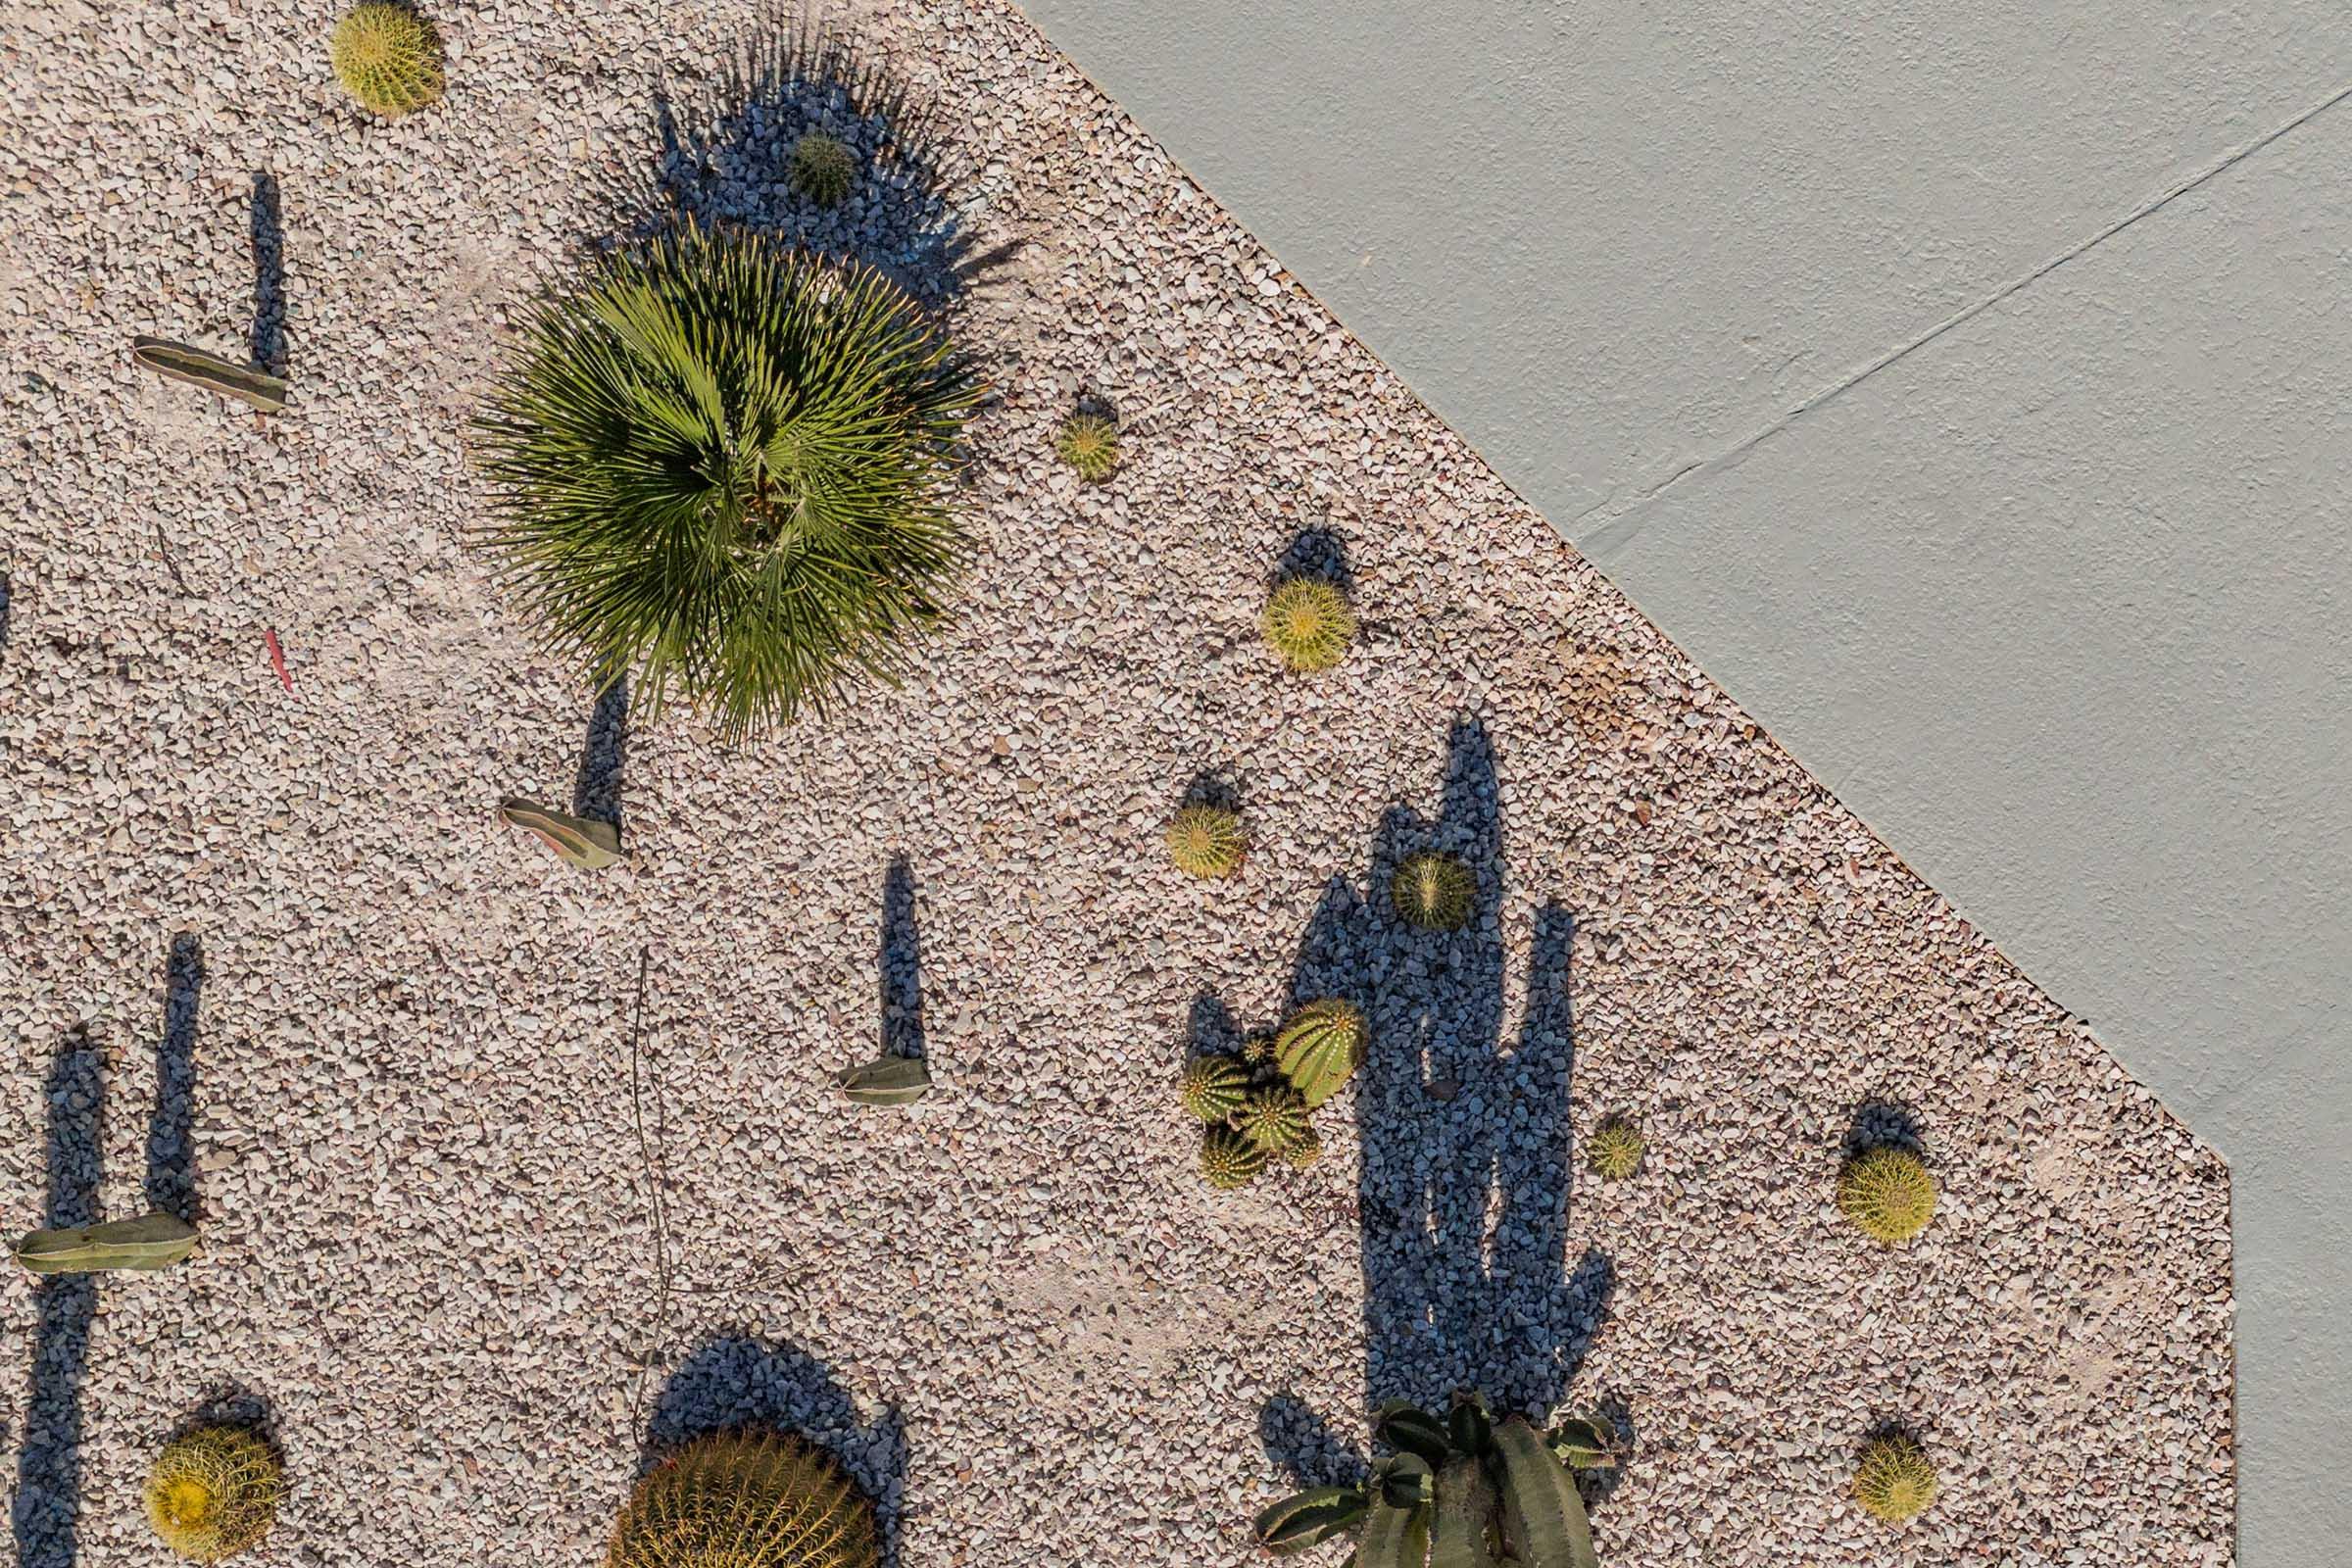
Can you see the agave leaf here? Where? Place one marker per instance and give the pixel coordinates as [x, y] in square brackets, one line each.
[246, 383]
[1409, 1429]
[1584, 1442]
[1393, 1537]
[582, 841]
[887, 1081]
[1457, 1536]
[1469, 1427]
[1310, 1518]
[1541, 1505]
[152, 1241]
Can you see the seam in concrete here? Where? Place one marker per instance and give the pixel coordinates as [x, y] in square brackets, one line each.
[1618, 522]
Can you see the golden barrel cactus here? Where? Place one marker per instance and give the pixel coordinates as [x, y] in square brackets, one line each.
[747, 1500]
[214, 1492]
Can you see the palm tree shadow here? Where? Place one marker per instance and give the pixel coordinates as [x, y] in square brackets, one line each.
[47, 1513]
[902, 964]
[1464, 1183]
[742, 1380]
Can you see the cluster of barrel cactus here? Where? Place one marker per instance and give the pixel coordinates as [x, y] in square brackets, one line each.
[1255, 1106]
[1462, 1490]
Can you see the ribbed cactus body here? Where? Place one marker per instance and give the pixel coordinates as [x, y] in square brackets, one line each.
[1304, 1149]
[1273, 1118]
[388, 57]
[1887, 1192]
[1090, 444]
[1319, 1047]
[823, 169]
[1213, 1088]
[1614, 1151]
[1434, 892]
[1208, 841]
[1308, 623]
[1228, 1159]
[214, 1492]
[1894, 1481]
[747, 1500]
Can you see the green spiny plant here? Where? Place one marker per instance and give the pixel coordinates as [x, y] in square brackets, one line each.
[1894, 1480]
[249, 385]
[1273, 1118]
[388, 57]
[723, 465]
[214, 1492]
[1213, 1088]
[1208, 841]
[1304, 1149]
[1614, 1151]
[1090, 444]
[1887, 1192]
[1310, 624]
[1319, 1046]
[1259, 1050]
[823, 169]
[1433, 891]
[747, 1500]
[1228, 1159]
[1465, 1492]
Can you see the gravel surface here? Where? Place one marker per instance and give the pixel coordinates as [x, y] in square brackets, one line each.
[476, 1234]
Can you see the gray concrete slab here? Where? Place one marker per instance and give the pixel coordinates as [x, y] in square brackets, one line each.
[1966, 393]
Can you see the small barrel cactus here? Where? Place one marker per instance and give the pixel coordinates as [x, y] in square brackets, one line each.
[1304, 1149]
[1614, 1151]
[1894, 1480]
[1259, 1050]
[1090, 445]
[1208, 841]
[823, 169]
[1273, 1118]
[1320, 1044]
[388, 57]
[214, 1492]
[1214, 1088]
[1228, 1159]
[1434, 892]
[1887, 1192]
[1310, 624]
[747, 1500]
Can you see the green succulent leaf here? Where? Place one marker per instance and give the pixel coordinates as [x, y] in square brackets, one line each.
[1541, 1505]
[247, 384]
[152, 1241]
[580, 840]
[1310, 1518]
[1465, 1504]
[889, 1081]
[1409, 1429]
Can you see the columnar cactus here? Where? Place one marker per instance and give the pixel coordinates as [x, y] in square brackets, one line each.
[214, 1492]
[1213, 1088]
[1208, 841]
[1273, 1118]
[388, 57]
[1310, 624]
[1434, 892]
[1887, 1192]
[823, 169]
[1090, 444]
[1894, 1480]
[1614, 1150]
[1228, 1159]
[747, 1500]
[1319, 1047]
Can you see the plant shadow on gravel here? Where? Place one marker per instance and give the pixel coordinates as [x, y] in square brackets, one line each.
[1319, 552]
[47, 1513]
[1884, 1123]
[1454, 1126]
[266, 343]
[744, 1380]
[725, 152]
[171, 1126]
[604, 758]
[902, 964]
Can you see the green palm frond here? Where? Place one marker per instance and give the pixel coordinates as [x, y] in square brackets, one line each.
[723, 467]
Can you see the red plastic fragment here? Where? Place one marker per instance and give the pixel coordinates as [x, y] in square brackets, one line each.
[277, 659]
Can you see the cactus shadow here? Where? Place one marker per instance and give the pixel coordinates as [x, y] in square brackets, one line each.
[901, 965]
[603, 757]
[266, 343]
[1308, 1451]
[1884, 1123]
[46, 1515]
[1212, 786]
[171, 1126]
[1209, 1029]
[725, 146]
[1318, 552]
[4, 604]
[739, 1379]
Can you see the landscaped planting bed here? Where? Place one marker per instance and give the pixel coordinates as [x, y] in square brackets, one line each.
[509, 1176]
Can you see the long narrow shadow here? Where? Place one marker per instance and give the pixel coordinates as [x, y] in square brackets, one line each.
[902, 964]
[47, 1514]
[267, 343]
[171, 1126]
[4, 597]
[741, 1380]
[603, 757]
[1464, 1185]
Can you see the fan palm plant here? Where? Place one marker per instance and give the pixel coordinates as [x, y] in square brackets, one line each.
[723, 467]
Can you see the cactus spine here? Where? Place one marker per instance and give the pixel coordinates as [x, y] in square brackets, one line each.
[747, 1500]
[1213, 1088]
[1319, 1047]
[214, 1492]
